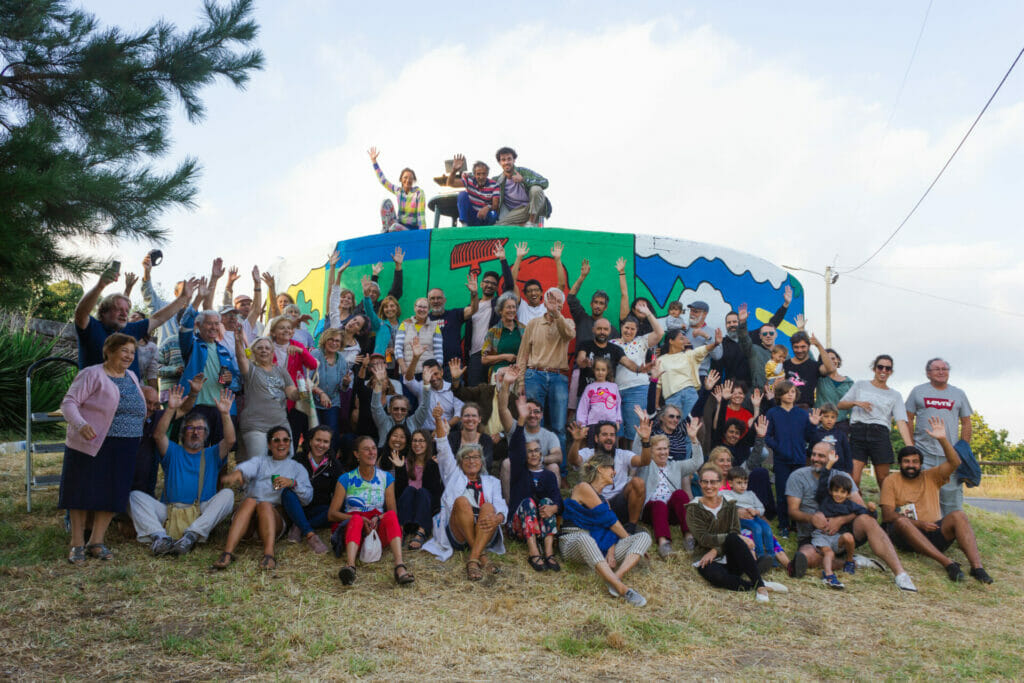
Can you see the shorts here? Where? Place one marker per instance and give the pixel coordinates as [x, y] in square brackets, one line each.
[819, 539]
[870, 443]
[459, 546]
[935, 537]
[809, 540]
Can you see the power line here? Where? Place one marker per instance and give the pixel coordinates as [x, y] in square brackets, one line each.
[944, 166]
[936, 296]
[913, 56]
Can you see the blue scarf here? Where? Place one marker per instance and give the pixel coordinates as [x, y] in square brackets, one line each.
[597, 521]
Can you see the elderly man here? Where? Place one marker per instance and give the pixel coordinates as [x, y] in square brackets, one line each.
[801, 500]
[938, 398]
[910, 506]
[450, 320]
[626, 494]
[701, 334]
[440, 394]
[544, 353]
[397, 412]
[201, 352]
[190, 474]
[521, 197]
[478, 202]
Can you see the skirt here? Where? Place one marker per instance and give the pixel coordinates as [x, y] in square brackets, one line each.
[100, 482]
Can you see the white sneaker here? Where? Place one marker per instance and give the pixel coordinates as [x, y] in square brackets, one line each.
[775, 587]
[761, 597]
[863, 562]
[904, 582]
[634, 598]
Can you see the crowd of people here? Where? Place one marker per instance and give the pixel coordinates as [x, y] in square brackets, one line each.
[523, 416]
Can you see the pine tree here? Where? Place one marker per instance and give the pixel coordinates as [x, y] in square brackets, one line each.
[84, 112]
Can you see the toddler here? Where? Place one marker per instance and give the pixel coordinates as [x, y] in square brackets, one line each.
[773, 369]
[675, 320]
[751, 513]
[834, 489]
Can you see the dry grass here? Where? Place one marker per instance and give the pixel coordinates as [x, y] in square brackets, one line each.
[139, 617]
[1009, 483]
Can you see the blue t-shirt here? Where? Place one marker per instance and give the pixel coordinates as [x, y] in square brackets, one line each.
[181, 474]
[90, 341]
[362, 495]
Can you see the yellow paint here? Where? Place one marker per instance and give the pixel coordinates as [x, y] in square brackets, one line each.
[786, 328]
[312, 287]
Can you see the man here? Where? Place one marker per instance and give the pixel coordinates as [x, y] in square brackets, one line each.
[521, 197]
[544, 353]
[486, 315]
[112, 317]
[938, 398]
[757, 344]
[733, 363]
[202, 353]
[910, 505]
[419, 328]
[550, 448]
[625, 495]
[600, 348]
[801, 500]
[450, 320]
[247, 307]
[440, 394]
[700, 334]
[398, 409]
[181, 465]
[478, 202]
[803, 370]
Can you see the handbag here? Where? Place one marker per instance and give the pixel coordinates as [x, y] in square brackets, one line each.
[371, 550]
[181, 515]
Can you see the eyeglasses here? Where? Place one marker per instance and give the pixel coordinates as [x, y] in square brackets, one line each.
[472, 457]
[196, 428]
[883, 368]
[281, 439]
[672, 417]
[399, 409]
[710, 482]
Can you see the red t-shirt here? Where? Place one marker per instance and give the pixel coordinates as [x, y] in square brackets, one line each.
[743, 415]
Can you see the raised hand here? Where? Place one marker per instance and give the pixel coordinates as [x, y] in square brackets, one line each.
[936, 428]
[334, 257]
[374, 153]
[727, 388]
[458, 163]
[195, 385]
[742, 313]
[367, 285]
[643, 310]
[577, 431]
[268, 279]
[585, 268]
[398, 256]
[190, 288]
[471, 282]
[801, 321]
[556, 250]
[129, 281]
[396, 459]
[175, 397]
[620, 265]
[256, 275]
[147, 266]
[499, 251]
[815, 416]
[380, 373]
[833, 458]
[417, 347]
[377, 268]
[438, 412]
[717, 393]
[693, 428]
[343, 266]
[522, 249]
[203, 289]
[511, 374]
[217, 270]
[755, 396]
[455, 368]
[718, 336]
[225, 401]
[787, 295]
[521, 405]
[644, 427]
[815, 342]
[712, 379]
[761, 426]
[233, 276]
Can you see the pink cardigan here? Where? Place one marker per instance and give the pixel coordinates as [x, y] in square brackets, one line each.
[92, 398]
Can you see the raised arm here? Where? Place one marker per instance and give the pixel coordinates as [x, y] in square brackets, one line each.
[620, 268]
[474, 298]
[780, 314]
[174, 400]
[578, 433]
[91, 298]
[272, 310]
[455, 177]
[257, 297]
[556, 253]
[522, 249]
[654, 336]
[224, 403]
[165, 313]
[584, 272]
[216, 272]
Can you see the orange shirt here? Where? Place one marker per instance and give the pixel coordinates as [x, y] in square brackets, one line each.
[923, 492]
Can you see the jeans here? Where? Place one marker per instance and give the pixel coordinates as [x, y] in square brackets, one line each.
[761, 532]
[414, 506]
[467, 212]
[634, 396]
[684, 399]
[331, 418]
[306, 518]
[551, 390]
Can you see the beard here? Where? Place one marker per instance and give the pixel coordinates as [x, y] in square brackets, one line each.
[818, 469]
[601, 338]
[910, 472]
[733, 334]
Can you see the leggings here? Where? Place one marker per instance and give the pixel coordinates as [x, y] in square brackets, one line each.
[387, 527]
[579, 546]
[739, 561]
[661, 514]
[414, 507]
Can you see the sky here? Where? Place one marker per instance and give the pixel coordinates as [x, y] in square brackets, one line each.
[799, 132]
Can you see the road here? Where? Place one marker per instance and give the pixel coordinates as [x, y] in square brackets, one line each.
[997, 505]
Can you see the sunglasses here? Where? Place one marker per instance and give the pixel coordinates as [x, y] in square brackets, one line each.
[883, 368]
[767, 334]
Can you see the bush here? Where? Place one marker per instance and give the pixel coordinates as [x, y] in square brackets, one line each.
[18, 350]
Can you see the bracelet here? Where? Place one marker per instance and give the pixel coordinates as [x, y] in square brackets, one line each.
[645, 444]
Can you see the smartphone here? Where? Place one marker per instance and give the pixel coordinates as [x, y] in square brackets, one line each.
[113, 270]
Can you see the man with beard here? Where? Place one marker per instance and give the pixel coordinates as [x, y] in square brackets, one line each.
[625, 495]
[803, 370]
[733, 362]
[450, 320]
[600, 348]
[585, 322]
[910, 506]
[701, 334]
[801, 492]
[757, 343]
[440, 394]
[521, 197]
[202, 353]
[182, 464]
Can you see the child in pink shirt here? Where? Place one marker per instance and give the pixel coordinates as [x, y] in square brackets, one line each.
[600, 401]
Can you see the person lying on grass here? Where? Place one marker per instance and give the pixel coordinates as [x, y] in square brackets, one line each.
[364, 501]
[472, 509]
[264, 478]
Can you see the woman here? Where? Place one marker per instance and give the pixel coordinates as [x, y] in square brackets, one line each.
[294, 357]
[501, 345]
[364, 501]
[723, 556]
[334, 380]
[534, 498]
[267, 388]
[418, 486]
[412, 203]
[396, 444]
[264, 477]
[873, 406]
[678, 370]
[591, 532]
[666, 483]
[104, 409]
[317, 457]
[354, 339]
[633, 386]
[384, 319]
[832, 388]
[469, 433]
[472, 509]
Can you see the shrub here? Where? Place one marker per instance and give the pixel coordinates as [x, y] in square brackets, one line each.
[18, 350]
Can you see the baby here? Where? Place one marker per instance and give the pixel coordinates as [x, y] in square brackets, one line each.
[834, 490]
[773, 369]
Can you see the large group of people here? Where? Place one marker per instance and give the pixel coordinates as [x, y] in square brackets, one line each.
[521, 416]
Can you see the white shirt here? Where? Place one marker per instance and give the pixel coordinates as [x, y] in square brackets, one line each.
[527, 312]
[623, 461]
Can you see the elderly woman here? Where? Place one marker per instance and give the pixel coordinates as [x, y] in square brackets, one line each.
[104, 409]
[419, 326]
[501, 345]
[317, 457]
[297, 359]
[294, 313]
[591, 532]
[472, 509]
[633, 386]
[723, 556]
[332, 392]
[267, 387]
[364, 501]
[417, 485]
[666, 483]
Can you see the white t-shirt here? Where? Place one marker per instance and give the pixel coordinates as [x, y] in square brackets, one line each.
[481, 323]
[527, 312]
[887, 404]
[636, 351]
[623, 461]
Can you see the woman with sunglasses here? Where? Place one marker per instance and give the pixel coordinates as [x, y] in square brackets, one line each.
[873, 405]
[723, 556]
[264, 478]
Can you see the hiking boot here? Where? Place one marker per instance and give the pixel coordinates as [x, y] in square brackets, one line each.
[162, 545]
[955, 574]
[904, 582]
[832, 581]
[981, 575]
[184, 545]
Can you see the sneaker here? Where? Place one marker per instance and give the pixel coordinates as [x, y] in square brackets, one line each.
[981, 575]
[315, 544]
[798, 566]
[764, 563]
[863, 562]
[761, 597]
[850, 567]
[955, 574]
[347, 575]
[776, 587]
[612, 592]
[832, 581]
[665, 549]
[184, 545]
[689, 544]
[294, 534]
[634, 598]
[784, 532]
[904, 582]
[162, 545]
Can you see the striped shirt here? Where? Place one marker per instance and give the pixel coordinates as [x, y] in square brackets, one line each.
[412, 206]
[480, 196]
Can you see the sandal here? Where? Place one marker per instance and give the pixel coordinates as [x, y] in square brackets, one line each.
[224, 561]
[77, 555]
[419, 538]
[269, 563]
[347, 575]
[100, 551]
[537, 562]
[488, 566]
[473, 570]
[552, 564]
[405, 578]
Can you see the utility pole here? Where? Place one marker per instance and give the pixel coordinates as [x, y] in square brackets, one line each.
[828, 306]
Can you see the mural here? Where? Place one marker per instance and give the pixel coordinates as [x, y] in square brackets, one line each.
[661, 269]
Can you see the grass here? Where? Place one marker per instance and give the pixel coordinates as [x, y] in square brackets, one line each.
[1009, 483]
[140, 617]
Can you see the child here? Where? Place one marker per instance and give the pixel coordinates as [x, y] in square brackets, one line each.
[751, 513]
[773, 369]
[789, 428]
[827, 431]
[834, 501]
[675, 320]
[600, 401]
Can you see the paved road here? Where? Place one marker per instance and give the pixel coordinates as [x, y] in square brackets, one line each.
[997, 505]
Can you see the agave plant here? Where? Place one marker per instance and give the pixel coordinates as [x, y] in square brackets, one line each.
[18, 350]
